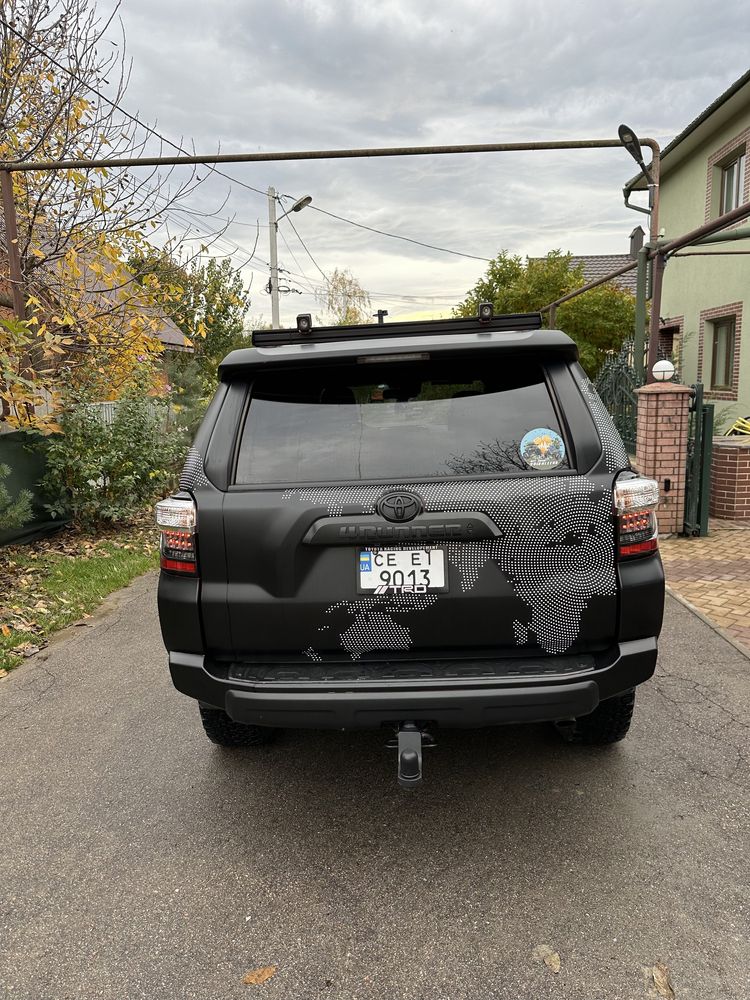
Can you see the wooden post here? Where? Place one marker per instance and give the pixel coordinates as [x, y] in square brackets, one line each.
[11, 233]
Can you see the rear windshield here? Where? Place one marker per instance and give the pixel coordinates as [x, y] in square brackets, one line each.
[400, 423]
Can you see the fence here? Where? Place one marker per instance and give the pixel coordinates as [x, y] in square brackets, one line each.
[26, 456]
[106, 412]
[616, 384]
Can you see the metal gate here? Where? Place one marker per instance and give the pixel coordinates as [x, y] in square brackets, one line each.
[616, 383]
[698, 473]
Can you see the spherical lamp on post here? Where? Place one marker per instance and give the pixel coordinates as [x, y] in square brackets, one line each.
[663, 371]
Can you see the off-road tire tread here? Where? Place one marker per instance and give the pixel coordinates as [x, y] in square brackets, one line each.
[224, 732]
[608, 723]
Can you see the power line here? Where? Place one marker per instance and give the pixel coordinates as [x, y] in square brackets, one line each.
[118, 107]
[234, 250]
[221, 173]
[310, 287]
[396, 236]
[304, 247]
[239, 250]
[220, 240]
[340, 218]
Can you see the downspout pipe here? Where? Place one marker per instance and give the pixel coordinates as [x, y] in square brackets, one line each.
[626, 193]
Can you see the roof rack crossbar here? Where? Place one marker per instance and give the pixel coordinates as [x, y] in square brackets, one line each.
[511, 322]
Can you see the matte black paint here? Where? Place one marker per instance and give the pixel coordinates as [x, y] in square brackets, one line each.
[362, 529]
[465, 704]
[270, 569]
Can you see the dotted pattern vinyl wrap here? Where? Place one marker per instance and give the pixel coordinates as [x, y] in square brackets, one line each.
[192, 474]
[614, 451]
[373, 625]
[556, 549]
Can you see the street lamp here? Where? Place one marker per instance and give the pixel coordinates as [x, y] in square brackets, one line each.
[273, 227]
[631, 142]
[299, 204]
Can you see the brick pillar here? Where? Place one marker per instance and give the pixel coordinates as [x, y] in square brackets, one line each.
[730, 478]
[661, 447]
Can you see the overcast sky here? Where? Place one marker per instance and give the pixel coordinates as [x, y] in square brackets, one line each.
[248, 75]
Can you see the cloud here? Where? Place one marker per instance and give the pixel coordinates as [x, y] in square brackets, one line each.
[313, 74]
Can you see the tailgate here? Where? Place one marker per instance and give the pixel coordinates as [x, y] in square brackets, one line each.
[544, 565]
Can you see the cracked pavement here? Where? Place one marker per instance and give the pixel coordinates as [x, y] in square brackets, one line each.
[137, 860]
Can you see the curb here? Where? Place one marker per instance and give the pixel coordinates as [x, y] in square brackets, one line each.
[712, 625]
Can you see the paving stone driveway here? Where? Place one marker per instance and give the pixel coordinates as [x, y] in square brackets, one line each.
[713, 575]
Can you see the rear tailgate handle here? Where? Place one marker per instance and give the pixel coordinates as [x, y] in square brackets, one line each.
[364, 529]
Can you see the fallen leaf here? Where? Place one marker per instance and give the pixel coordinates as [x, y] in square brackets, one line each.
[662, 981]
[5, 630]
[258, 976]
[553, 961]
[543, 953]
[3, 673]
[28, 649]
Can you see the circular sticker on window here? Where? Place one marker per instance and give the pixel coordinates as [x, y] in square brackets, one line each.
[542, 449]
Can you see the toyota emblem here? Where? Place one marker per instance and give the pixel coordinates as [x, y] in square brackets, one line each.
[399, 506]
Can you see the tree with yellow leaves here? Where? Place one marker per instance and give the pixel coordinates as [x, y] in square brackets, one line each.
[345, 300]
[75, 227]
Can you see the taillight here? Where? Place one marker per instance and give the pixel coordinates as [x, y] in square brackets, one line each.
[175, 516]
[636, 501]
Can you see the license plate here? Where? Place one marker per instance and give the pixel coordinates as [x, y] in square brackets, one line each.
[415, 571]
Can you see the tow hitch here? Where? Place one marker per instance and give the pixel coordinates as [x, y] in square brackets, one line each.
[409, 742]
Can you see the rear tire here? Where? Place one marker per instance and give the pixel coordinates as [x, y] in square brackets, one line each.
[608, 723]
[225, 732]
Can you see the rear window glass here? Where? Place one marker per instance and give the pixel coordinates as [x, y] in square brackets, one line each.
[399, 423]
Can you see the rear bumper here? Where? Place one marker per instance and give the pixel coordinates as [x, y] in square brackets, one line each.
[460, 703]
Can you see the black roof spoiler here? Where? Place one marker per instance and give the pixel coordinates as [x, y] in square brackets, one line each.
[306, 333]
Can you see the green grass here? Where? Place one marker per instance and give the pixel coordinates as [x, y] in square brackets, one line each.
[51, 588]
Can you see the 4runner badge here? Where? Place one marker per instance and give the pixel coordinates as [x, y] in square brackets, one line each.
[399, 506]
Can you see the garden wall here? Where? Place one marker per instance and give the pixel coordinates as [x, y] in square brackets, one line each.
[730, 478]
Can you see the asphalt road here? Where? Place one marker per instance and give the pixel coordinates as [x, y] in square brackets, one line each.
[138, 860]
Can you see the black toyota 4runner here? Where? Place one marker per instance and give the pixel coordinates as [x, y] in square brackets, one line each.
[410, 525]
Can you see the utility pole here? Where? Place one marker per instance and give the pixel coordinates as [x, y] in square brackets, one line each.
[274, 279]
[273, 228]
[11, 238]
[381, 313]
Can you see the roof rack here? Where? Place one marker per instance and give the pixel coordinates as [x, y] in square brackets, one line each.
[306, 333]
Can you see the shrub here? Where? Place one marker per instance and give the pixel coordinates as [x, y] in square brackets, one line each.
[106, 473]
[14, 513]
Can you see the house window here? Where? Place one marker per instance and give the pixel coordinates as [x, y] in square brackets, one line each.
[722, 358]
[732, 183]
[667, 337]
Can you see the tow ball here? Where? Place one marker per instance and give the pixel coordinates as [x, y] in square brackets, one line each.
[408, 743]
